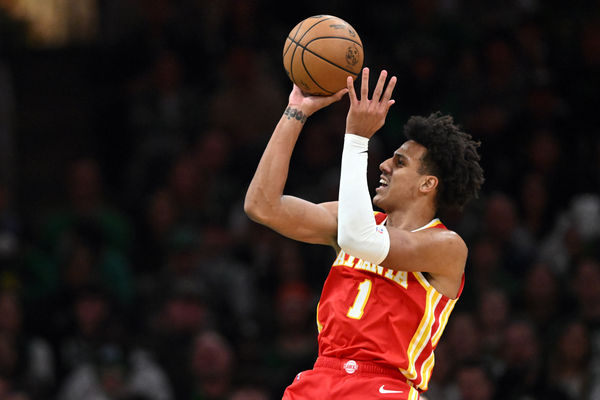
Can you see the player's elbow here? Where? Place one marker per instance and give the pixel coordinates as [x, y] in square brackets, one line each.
[252, 208]
[258, 208]
[373, 246]
[348, 242]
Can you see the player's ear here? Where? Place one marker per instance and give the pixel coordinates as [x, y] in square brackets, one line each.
[428, 183]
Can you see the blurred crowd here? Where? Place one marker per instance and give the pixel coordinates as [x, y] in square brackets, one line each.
[128, 269]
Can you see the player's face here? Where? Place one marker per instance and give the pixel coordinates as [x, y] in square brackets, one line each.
[400, 176]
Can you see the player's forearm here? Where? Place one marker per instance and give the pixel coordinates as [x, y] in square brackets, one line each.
[264, 194]
[358, 233]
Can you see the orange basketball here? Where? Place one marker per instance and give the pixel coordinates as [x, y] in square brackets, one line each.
[320, 53]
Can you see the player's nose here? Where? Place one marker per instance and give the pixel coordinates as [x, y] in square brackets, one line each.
[385, 166]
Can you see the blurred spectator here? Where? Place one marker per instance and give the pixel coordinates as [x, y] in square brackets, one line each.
[293, 345]
[180, 266]
[201, 260]
[464, 84]
[289, 263]
[244, 71]
[85, 262]
[503, 84]
[544, 108]
[570, 359]
[485, 271]
[502, 226]
[544, 153]
[117, 373]
[533, 47]
[156, 222]
[463, 337]
[26, 361]
[586, 286]
[523, 360]
[230, 281]
[422, 81]
[574, 233]
[475, 382]
[212, 366]
[493, 315]
[89, 237]
[535, 204]
[164, 116]
[86, 202]
[542, 302]
[182, 313]
[92, 322]
[213, 155]
[183, 185]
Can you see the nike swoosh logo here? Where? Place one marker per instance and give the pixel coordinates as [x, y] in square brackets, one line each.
[383, 390]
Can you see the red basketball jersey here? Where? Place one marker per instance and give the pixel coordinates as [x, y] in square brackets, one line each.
[393, 318]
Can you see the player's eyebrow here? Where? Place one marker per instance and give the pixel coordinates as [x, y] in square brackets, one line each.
[401, 156]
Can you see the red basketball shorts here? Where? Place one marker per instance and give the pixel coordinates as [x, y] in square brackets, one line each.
[334, 378]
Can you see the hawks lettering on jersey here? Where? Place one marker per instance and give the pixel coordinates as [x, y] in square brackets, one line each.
[385, 315]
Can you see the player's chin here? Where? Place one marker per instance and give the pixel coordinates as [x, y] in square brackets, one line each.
[377, 200]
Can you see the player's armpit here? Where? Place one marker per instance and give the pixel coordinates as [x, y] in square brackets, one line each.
[303, 220]
[436, 251]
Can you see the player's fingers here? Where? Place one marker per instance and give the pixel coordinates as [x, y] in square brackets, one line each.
[351, 90]
[364, 87]
[390, 103]
[379, 87]
[390, 89]
[340, 94]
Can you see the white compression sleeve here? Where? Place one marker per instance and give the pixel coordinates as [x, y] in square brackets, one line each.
[358, 234]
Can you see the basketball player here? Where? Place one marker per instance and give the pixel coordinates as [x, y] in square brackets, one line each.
[398, 274]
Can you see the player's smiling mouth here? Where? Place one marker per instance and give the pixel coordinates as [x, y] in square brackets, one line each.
[383, 183]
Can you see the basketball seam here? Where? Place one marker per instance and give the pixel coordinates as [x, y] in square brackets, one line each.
[292, 40]
[296, 48]
[308, 72]
[310, 75]
[321, 57]
[328, 37]
[288, 48]
[315, 24]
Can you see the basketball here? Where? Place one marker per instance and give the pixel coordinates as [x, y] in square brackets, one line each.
[320, 53]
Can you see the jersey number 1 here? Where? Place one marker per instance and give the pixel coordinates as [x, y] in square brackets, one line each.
[357, 309]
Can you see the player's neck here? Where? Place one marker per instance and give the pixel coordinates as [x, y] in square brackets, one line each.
[410, 218]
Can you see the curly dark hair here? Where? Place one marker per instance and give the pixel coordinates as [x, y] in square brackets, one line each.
[451, 156]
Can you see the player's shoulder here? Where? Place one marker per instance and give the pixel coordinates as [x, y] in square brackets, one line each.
[452, 241]
[442, 233]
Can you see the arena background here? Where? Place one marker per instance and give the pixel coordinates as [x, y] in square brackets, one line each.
[129, 131]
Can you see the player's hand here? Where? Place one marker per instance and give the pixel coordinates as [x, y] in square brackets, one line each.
[311, 104]
[365, 116]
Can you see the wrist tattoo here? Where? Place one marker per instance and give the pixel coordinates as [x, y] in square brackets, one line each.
[292, 113]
